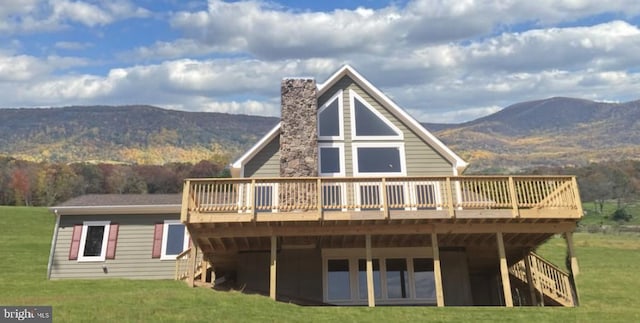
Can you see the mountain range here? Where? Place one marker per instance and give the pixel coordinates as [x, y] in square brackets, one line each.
[551, 132]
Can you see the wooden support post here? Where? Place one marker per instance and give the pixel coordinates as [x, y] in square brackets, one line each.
[575, 270]
[530, 282]
[272, 270]
[504, 272]
[203, 270]
[437, 273]
[370, 287]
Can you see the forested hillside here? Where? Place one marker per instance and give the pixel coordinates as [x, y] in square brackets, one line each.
[127, 134]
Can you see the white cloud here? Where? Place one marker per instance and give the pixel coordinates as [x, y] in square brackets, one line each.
[258, 28]
[46, 16]
[443, 61]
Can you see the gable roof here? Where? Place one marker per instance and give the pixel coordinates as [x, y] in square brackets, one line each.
[91, 204]
[346, 70]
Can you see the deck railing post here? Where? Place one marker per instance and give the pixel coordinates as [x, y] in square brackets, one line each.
[184, 210]
[514, 197]
[450, 197]
[252, 198]
[576, 196]
[319, 197]
[191, 267]
[385, 206]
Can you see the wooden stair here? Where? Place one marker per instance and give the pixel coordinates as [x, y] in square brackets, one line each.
[545, 279]
[191, 267]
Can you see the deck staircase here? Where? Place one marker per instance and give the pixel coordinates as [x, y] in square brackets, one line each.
[191, 267]
[548, 284]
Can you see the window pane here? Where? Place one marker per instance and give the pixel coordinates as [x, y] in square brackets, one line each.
[379, 160]
[368, 124]
[331, 196]
[328, 120]
[362, 278]
[338, 279]
[329, 160]
[397, 278]
[175, 239]
[423, 273]
[93, 243]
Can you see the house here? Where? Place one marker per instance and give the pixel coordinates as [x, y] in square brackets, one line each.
[349, 201]
[117, 236]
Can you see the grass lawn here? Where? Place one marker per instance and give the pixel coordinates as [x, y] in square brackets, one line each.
[592, 216]
[609, 286]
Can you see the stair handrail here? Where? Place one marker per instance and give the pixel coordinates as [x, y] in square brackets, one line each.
[547, 278]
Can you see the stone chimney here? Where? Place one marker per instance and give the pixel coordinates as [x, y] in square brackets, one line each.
[299, 128]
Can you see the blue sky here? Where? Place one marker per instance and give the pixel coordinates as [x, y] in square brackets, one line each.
[443, 61]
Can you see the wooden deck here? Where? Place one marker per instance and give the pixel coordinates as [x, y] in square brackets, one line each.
[480, 214]
[362, 199]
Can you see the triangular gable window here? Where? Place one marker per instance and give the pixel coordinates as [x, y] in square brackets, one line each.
[368, 123]
[330, 118]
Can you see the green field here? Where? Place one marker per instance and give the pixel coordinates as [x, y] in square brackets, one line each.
[593, 217]
[609, 287]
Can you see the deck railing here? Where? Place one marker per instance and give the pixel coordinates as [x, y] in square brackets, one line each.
[450, 194]
[546, 278]
[186, 267]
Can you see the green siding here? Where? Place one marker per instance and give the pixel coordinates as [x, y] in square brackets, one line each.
[133, 250]
[266, 163]
[421, 158]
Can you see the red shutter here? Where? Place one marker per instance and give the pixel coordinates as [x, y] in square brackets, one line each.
[113, 238]
[157, 241]
[75, 242]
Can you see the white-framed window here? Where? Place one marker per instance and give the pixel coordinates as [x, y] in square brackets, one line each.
[378, 159]
[331, 159]
[367, 123]
[175, 239]
[400, 276]
[330, 118]
[93, 241]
